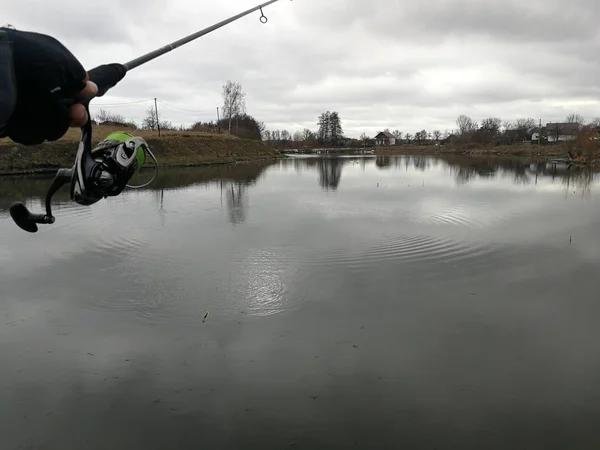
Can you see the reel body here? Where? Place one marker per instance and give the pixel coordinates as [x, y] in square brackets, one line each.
[99, 172]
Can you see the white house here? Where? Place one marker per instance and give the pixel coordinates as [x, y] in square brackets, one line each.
[560, 131]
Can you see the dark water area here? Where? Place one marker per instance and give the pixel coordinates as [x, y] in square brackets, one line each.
[373, 303]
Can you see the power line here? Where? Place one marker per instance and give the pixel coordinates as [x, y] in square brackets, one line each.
[184, 109]
[111, 105]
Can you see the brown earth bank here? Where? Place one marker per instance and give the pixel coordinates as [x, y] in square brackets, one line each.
[172, 149]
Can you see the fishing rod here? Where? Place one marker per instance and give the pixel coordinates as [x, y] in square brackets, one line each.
[105, 170]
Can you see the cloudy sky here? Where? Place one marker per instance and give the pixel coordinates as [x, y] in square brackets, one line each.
[398, 64]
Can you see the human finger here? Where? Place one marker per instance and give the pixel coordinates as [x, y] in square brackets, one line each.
[79, 116]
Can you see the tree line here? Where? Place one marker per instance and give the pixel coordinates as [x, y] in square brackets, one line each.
[233, 118]
[329, 132]
[491, 130]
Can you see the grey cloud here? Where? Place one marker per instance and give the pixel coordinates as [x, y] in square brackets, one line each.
[401, 64]
[90, 23]
[514, 20]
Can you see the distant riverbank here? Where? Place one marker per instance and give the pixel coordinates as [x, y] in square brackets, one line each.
[172, 149]
[544, 152]
[550, 151]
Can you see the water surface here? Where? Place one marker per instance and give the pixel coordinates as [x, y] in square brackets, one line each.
[377, 302]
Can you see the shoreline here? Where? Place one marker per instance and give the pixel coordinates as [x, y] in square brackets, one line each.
[174, 149]
[545, 152]
[185, 149]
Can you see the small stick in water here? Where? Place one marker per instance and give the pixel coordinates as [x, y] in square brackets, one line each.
[205, 317]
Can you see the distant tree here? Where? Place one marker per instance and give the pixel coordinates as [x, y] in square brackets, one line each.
[421, 136]
[524, 127]
[261, 128]
[324, 127]
[150, 121]
[104, 115]
[595, 122]
[575, 118]
[408, 137]
[437, 135]
[465, 124]
[246, 126]
[364, 139]
[307, 135]
[490, 127]
[285, 135]
[507, 125]
[336, 132]
[398, 135]
[234, 102]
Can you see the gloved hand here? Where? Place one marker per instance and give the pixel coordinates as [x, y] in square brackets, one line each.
[40, 65]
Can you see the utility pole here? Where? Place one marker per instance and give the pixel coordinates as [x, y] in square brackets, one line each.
[540, 133]
[218, 120]
[157, 119]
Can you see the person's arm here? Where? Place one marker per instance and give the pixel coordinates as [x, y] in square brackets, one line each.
[8, 94]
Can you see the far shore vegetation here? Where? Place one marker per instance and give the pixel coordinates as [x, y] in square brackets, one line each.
[237, 136]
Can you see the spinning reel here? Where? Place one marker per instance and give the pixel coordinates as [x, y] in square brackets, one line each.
[105, 170]
[101, 172]
[97, 173]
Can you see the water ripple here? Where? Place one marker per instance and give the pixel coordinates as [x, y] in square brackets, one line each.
[407, 249]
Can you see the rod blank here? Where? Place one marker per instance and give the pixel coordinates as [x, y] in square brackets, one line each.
[167, 48]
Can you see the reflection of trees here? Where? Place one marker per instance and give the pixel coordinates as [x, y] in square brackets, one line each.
[421, 162]
[383, 161]
[466, 169]
[237, 201]
[328, 167]
[330, 172]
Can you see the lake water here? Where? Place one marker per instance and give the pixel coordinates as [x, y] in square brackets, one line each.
[373, 303]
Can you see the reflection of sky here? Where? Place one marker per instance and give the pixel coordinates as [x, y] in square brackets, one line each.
[495, 209]
[444, 297]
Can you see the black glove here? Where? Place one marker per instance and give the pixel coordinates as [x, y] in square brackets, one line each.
[40, 65]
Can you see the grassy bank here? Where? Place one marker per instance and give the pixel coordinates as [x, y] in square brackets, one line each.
[520, 150]
[172, 149]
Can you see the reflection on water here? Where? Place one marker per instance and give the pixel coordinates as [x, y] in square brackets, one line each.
[374, 302]
[463, 169]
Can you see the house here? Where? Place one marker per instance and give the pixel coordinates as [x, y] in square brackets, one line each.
[450, 139]
[560, 131]
[385, 138]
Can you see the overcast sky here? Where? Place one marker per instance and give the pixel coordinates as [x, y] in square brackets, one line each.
[398, 64]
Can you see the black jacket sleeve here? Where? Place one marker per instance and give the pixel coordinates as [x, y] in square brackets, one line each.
[8, 90]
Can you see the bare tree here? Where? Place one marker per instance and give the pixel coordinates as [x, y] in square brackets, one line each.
[421, 136]
[525, 127]
[408, 137]
[307, 135]
[104, 115]
[364, 138]
[595, 122]
[465, 124]
[398, 135]
[234, 101]
[437, 134]
[490, 127]
[507, 125]
[150, 122]
[575, 118]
